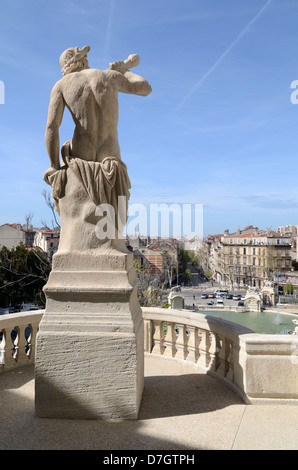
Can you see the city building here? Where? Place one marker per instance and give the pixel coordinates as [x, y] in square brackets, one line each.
[11, 235]
[210, 256]
[292, 232]
[251, 256]
[288, 229]
[158, 255]
[48, 241]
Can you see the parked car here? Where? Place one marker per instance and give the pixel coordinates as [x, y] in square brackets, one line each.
[220, 302]
[229, 296]
[241, 304]
[204, 296]
[242, 297]
[210, 302]
[236, 297]
[210, 296]
[221, 291]
[219, 296]
[5, 311]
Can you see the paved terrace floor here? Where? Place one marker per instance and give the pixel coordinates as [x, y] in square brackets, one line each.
[181, 410]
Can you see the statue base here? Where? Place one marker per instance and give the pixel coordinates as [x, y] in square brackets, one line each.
[90, 345]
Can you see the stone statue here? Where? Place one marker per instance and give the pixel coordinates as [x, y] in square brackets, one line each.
[89, 360]
[92, 171]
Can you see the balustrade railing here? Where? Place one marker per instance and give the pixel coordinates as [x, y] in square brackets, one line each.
[17, 339]
[210, 344]
[258, 367]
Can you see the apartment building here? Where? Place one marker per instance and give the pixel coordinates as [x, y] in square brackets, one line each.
[248, 258]
[211, 256]
[288, 229]
[159, 256]
[48, 241]
[11, 235]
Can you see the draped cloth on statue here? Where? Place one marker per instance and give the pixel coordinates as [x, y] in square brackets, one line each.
[103, 181]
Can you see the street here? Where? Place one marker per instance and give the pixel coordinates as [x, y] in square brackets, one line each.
[193, 295]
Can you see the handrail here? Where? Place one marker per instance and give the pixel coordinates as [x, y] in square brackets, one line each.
[259, 368]
[17, 338]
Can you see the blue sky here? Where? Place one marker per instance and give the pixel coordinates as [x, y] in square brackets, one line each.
[218, 129]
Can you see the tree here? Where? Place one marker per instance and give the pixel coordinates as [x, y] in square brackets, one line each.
[147, 289]
[208, 273]
[51, 205]
[288, 288]
[28, 218]
[185, 257]
[169, 265]
[23, 273]
[295, 264]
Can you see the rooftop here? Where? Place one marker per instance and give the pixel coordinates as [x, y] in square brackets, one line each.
[182, 409]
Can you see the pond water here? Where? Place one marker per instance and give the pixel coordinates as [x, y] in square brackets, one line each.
[263, 322]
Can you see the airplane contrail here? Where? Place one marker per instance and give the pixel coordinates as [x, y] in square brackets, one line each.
[223, 55]
[109, 30]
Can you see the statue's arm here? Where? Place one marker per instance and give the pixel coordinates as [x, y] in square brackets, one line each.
[52, 141]
[134, 84]
[127, 81]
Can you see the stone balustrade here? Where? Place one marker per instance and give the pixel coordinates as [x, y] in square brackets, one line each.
[17, 339]
[259, 368]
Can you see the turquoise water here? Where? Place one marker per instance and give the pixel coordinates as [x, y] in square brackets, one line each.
[263, 322]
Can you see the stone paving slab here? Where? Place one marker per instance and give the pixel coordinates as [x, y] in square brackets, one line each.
[181, 410]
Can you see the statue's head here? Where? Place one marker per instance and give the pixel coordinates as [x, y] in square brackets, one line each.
[74, 59]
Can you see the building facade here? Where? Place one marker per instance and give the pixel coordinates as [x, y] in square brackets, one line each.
[251, 258]
[11, 235]
[48, 241]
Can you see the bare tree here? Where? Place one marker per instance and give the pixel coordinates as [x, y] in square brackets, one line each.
[49, 202]
[28, 218]
[169, 263]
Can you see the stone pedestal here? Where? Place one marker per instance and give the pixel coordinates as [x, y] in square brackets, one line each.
[90, 350]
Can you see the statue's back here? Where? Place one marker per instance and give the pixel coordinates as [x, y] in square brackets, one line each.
[91, 96]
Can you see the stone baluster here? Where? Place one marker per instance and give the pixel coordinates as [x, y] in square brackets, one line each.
[148, 335]
[230, 361]
[10, 349]
[21, 344]
[31, 340]
[203, 336]
[181, 342]
[223, 352]
[193, 344]
[158, 337]
[212, 359]
[2, 350]
[170, 340]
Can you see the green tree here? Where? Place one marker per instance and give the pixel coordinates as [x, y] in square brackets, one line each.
[187, 274]
[208, 273]
[23, 273]
[185, 257]
[288, 288]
